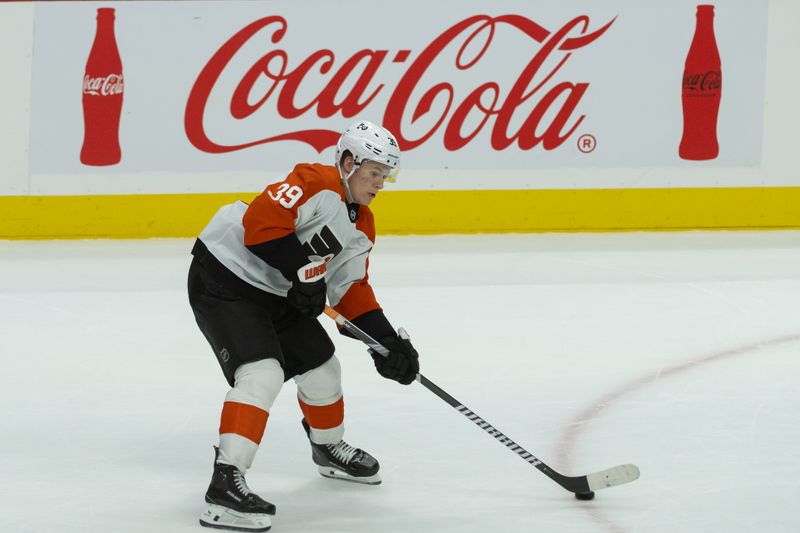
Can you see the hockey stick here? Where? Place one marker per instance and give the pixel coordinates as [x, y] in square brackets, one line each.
[582, 486]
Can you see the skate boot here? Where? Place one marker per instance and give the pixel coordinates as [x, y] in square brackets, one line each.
[342, 461]
[231, 504]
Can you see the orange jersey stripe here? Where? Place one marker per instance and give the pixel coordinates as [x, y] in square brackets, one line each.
[243, 419]
[358, 299]
[366, 223]
[323, 416]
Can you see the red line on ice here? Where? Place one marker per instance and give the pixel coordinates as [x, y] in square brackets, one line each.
[571, 432]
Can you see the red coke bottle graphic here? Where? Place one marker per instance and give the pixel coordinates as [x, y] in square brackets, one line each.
[102, 96]
[702, 91]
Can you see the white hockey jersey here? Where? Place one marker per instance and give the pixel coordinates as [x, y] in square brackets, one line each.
[310, 202]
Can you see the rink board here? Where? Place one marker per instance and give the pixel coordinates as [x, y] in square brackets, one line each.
[592, 146]
[423, 212]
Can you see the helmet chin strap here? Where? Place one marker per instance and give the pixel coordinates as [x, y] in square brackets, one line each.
[346, 181]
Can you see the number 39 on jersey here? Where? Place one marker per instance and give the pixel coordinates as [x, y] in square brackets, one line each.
[286, 195]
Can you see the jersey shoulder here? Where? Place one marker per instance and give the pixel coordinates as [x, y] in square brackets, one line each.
[317, 177]
[272, 214]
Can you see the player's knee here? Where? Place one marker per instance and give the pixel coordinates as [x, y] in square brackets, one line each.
[258, 383]
[322, 384]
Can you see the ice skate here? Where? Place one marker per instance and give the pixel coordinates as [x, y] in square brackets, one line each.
[342, 461]
[231, 504]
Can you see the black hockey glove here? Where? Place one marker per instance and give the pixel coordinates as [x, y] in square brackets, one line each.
[308, 298]
[402, 363]
[308, 292]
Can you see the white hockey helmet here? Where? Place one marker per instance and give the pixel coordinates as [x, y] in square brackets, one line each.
[368, 142]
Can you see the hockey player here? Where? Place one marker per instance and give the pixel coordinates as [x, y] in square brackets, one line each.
[260, 276]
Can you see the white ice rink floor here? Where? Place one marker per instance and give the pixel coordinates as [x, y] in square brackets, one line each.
[679, 352]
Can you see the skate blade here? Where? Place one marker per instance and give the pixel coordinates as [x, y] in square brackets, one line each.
[333, 473]
[219, 517]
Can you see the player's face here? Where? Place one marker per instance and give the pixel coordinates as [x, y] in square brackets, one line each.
[367, 181]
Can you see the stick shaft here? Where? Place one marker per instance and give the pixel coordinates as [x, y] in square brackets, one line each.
[578, 484]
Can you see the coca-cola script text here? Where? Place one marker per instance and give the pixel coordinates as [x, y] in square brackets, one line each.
[361, 70]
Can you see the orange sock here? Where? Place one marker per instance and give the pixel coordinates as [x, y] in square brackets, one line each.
[243, 419]
[323, 416]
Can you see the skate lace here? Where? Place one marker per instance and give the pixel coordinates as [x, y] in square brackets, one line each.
[241, 484]
[343, 451]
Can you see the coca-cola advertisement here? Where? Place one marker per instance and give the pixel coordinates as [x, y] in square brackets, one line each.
[702, 91]
[103, 88]
[221, 95]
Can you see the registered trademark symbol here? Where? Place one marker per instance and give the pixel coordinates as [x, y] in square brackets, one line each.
[587, 143]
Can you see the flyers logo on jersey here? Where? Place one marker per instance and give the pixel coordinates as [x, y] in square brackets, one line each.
[323, 244]
[320, 249]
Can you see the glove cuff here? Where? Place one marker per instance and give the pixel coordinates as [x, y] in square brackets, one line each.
[313, 271]
[375, 324]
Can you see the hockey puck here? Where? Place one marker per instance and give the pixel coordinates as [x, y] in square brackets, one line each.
[584, 495]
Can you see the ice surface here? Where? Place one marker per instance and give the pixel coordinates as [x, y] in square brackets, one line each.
[679, 352]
